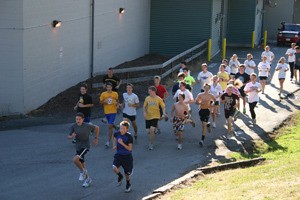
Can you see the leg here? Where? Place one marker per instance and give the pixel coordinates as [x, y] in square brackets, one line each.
[110, 131]
[152, 134]
[281, 85]
[78, 163]
[292, 70]
[135, 128]
[179, 134]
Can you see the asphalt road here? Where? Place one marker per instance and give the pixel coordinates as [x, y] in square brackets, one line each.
[36, 162]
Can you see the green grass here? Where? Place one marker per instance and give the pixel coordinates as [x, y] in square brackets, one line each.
[277, 178]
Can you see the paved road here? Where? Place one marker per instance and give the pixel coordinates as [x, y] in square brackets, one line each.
[36, 162]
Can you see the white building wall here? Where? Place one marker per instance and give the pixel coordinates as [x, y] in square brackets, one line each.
[11, 56]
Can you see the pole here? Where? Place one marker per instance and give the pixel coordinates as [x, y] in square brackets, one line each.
[224, 49]
[253, 39]
[208, 49]
[265, 38]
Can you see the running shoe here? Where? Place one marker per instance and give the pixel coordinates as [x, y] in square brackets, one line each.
[128, 187]
[179, 147]
[244, 110]
[150, 147]
[104, 121]
[120, 178]
[87, 182]
[166, 118]
[107, 145]
[82, 175]
[214, 125]
[201, 143]
[208, 127]
[135, 137]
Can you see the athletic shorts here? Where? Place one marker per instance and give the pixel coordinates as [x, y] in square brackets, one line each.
[204, 115]
[217, 103]
[242, 92]
[263, 78]
[110, 118]
[87, 119]
[130, 117]
[178, 124]
[232, 74]
[126, 161]
[151, 122]
[81, 154]
[281, 79]
[297, 67]
[229, 113]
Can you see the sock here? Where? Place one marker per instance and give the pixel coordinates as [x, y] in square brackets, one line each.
[119, 174]
[203, 137]
[128, 182]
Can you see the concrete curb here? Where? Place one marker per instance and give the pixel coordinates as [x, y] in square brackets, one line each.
[201, 172]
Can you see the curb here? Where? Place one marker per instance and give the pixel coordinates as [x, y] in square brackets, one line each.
[201, 172]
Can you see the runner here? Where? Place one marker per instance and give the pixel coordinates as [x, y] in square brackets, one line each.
[129, 105]
[282, 68]
[81, 131]
[123, 157]
[227, 68]
[244, 78]
[110, 102]
[152, 113]
[205, 100]
[297, 64]
[230, 104]
[216, 90]
[252, 89]
[179, 113]
[269, 54]
[188, 78]
[234, 65]
[182, 66]
[249, 64]
[263, 72]
[291, 58]
[204, 77]
[223, 76]
[175, 87]
[111, 78]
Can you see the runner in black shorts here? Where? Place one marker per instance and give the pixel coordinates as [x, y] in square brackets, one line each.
[244, 78]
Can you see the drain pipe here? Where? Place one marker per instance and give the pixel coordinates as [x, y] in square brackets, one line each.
[92, 38]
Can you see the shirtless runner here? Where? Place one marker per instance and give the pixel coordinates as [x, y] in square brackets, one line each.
[205, 101]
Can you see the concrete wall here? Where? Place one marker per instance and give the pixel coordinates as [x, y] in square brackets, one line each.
[274, 15]
[11, 57]
[39, 61]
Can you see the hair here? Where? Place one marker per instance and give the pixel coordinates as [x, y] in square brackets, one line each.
[204, 64]
[152, 88]
[185, 69]
[183, 62]
[215, 76]
[182, 83]
[242, 65]
[157, 77]
[206, 84]
[84, 85]
[222, 65]
[225, 60]
[281, 59]
[249, 54]
[79, 114]
[234, 55]
[182, 94]
[253, 74]
[108, 83]
[125, 123]
[129, 84]
[110, 68]
[181, 74]
[238, 83]
[297, 47]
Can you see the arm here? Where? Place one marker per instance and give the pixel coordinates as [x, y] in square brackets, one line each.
[198, 100]
[172, 112]
[118, 84]
[96, 135]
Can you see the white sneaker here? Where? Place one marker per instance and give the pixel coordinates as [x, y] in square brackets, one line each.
[87, 182]
[201, 143]
[254, 121]
[107, 145]
[214, 125]
[82, 175]
[150, 147]
[208, 127]
[179, 147]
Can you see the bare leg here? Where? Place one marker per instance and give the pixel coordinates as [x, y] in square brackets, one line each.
[152, 134]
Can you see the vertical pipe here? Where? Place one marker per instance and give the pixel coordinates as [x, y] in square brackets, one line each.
[224, 49]
[253, 39]
[208, 49]
[265, 38]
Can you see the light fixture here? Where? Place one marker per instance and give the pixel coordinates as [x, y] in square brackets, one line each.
[56, 23]
[121, 10]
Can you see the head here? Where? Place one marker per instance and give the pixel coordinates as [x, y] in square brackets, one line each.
[181, 76]
[225, 61]
[182, 86]
[206, 87]
[129, 88]
[238, 83]
[79, 118]
[249, 56]
[204, 67]
[234, 57]
[185, 71]
[215, 78]
[124, 126]
[183, 64]
[157, 80]
[181, 97]
[281, 60]
[293, 45]
[110, 72]
[152, 90]
[229, 88]
[267, 48]
[108, 87]
[83, 88]
[253, 77]
[297, 49]
[242, 68]
[222, 67]
[264, 58]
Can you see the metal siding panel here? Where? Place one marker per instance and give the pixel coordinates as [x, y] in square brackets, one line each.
[240, 22]
[177, 25]
[216, 26]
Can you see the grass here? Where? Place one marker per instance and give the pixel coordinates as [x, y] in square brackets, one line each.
[277, 178]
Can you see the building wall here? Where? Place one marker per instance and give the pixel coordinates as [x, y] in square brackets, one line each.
[216, 18]
[11, 57]
[42, 61]
[273, 16]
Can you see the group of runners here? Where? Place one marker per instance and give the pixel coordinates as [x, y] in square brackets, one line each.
[233, 81]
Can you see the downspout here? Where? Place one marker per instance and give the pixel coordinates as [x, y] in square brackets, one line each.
[92, 38]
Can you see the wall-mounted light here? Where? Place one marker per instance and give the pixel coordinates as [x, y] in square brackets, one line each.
[56, 23]
[122, 10]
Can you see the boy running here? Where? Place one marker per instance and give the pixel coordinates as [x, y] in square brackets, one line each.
[81, 131]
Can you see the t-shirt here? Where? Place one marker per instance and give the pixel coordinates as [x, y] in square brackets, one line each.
[85, 99]
[247, 64]
[282, 72]
[216, 90]
[230, 101]
[189, 80]
[223, 76]
[113, 80]
[152, 106]
[111, 97]
[244, 78]
[227, 69]
[268, 54]
[252, 95]
[127, 139]
[263, 68]
[160, 91]
[234, 65]
[82, 135]
[188, 96]
[292, 57]
[204, 78]
[132, 99]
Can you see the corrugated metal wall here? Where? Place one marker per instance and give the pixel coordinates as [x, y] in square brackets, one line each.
[177, 25]
[241, 19]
